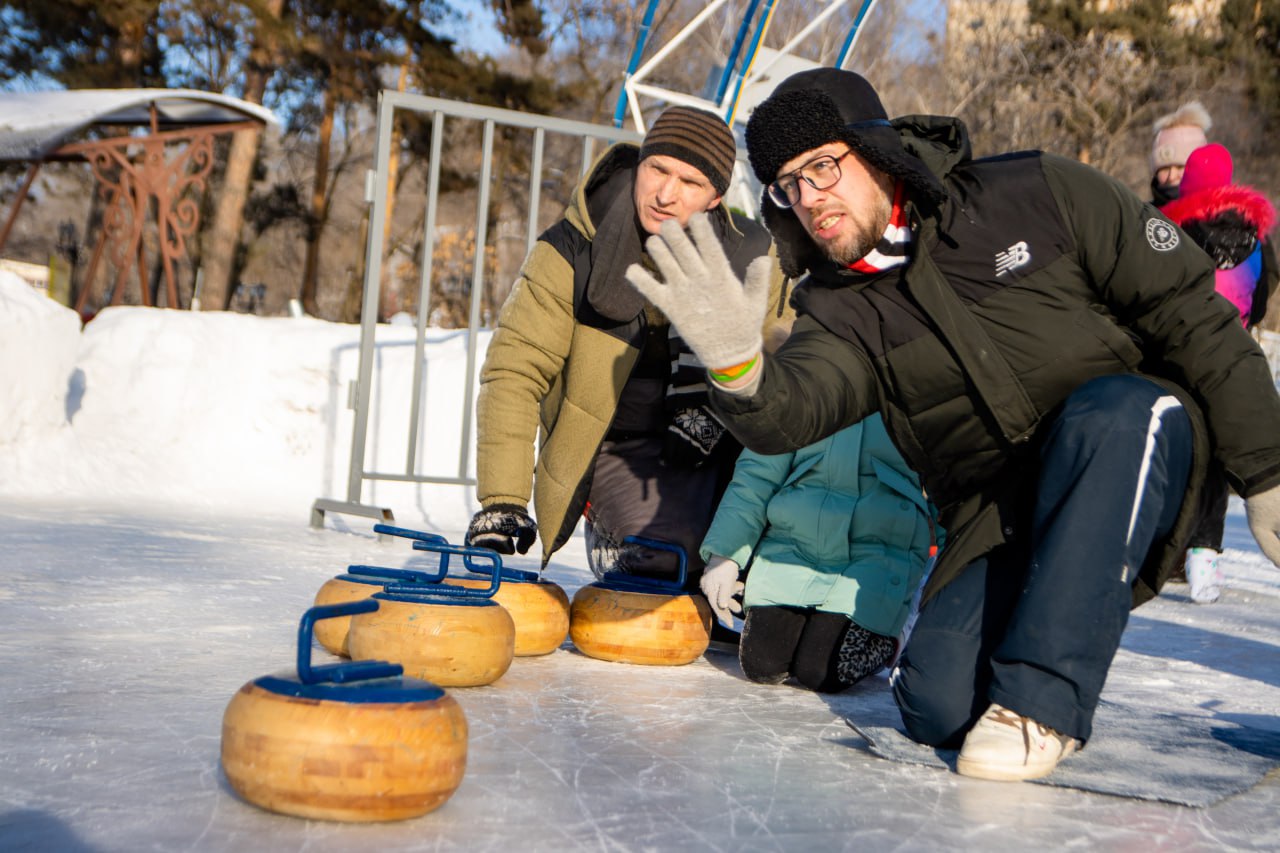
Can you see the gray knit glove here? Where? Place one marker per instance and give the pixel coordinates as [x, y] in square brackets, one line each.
[718, 317]
[1263, 512]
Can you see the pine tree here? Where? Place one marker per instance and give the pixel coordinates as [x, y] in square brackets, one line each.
[83, 44]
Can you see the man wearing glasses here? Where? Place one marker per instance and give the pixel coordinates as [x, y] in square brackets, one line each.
[581, 364]
[1048, 354]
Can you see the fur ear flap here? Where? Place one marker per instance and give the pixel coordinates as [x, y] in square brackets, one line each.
[796, 252]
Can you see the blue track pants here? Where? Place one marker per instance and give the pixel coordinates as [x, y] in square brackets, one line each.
[1035, 627]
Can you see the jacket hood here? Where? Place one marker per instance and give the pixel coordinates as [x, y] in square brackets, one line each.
[1207, 204]
[609, 177]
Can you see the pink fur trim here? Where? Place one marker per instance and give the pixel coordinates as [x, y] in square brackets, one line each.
[1206, 204]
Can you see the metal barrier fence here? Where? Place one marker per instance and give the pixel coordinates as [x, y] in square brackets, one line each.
[360, 394]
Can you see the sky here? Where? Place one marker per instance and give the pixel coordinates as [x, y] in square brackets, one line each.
[475, 28]
[157, 470]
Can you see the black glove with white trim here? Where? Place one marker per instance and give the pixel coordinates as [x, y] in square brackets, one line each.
[505, 528]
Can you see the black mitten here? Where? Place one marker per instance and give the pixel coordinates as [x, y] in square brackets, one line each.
[495, 527]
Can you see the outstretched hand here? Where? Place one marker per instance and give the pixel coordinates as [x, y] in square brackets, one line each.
[717, 315]
[1263, 512]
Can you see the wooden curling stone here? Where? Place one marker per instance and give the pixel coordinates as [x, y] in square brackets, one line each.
[639, 627]
[539, 608]
[336, 760]
[347, 742]
[332, 633]
[637, 619]
[449, 641]
[357, 583]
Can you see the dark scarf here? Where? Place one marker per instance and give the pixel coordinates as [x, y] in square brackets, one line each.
[694, 436]
[1162, 194]
[616, 246]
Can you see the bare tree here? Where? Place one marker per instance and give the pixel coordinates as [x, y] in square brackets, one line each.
[220, 246]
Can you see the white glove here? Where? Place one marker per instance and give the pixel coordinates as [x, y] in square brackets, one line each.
[1263, 511]
[720, 584]
[717, 316]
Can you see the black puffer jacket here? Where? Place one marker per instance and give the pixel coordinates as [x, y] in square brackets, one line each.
[1034, 275]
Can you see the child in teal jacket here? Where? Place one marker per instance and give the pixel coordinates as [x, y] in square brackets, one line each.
[835, 537]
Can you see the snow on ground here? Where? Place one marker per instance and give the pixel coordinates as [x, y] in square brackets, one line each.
[156, 475]
[215, 411]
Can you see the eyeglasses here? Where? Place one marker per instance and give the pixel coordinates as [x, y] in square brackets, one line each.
[820, 173]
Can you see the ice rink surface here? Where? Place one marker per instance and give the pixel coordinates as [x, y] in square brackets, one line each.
[127, 631]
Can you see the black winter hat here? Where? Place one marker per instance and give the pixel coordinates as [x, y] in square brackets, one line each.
[812, 108]
[697, 137]
[808, 110]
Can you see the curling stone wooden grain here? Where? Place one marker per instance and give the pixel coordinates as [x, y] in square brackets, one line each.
[539, 609]
[347, 742]
[343, 761]
[639, 627]
[357, 583]
[462, 643]
[332, 633]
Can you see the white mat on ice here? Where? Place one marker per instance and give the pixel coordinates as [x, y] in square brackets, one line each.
[1193, 761]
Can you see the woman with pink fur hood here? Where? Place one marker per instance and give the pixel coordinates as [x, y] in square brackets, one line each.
[1230, 222]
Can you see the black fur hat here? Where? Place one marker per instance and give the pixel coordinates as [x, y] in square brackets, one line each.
[808, 110]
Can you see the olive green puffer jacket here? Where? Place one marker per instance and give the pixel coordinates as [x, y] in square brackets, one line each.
[556, 364]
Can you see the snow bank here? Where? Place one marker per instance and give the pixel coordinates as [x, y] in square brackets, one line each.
[227, 411]
[38, 342]
[230, 412]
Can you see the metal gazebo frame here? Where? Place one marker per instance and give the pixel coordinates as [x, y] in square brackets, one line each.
[137, 178]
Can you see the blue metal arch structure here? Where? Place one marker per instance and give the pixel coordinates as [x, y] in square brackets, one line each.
[746, 47]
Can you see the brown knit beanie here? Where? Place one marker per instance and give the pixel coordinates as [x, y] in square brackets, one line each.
[697, 137]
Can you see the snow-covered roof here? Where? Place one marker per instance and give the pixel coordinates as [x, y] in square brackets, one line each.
[34, 124]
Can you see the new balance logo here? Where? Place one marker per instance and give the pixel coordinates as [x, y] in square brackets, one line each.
[1011, 258]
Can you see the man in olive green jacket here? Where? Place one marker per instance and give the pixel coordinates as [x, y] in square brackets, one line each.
[1047, 352]
[582, 363]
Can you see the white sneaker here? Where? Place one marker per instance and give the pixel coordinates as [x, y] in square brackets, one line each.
[1008, 747]
[1204, 575]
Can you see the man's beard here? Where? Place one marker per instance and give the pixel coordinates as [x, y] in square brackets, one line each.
[860, 243]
